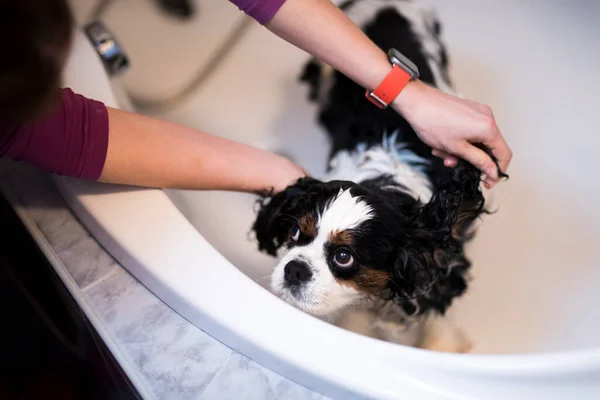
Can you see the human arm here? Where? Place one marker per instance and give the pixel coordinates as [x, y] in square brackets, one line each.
[83, 138]
[447, 123]
[149, 152]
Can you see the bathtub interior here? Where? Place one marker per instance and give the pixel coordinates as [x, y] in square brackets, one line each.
[535, 267]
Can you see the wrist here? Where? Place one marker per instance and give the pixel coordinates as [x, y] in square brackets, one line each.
[287, 175]
[400, 73]
[282, 173]
[408, 98]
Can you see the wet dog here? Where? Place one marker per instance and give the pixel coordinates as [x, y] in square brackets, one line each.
[377, 245]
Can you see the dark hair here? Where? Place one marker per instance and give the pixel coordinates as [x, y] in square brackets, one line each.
[35, 37]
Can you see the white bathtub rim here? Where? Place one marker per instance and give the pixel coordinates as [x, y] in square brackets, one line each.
[565, 362]
[111, 225]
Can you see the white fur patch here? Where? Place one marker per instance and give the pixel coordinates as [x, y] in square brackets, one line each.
[390, 158]
[344, 212]
[322, 295]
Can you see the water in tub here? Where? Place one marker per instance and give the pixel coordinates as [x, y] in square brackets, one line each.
[534, 260]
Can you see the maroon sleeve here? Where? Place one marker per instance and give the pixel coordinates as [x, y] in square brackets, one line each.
[261, 10]
[72, 141]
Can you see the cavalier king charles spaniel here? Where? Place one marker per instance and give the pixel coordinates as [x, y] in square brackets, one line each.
[377, 245]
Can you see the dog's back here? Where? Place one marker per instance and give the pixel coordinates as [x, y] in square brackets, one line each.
[344, 112]
[379, 148]
[432, 207]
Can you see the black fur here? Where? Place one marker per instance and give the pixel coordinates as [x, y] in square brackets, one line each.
[347, 116]
[421, 246]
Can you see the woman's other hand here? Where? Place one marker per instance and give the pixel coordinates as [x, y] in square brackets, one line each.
[451, 125]
[286, 173]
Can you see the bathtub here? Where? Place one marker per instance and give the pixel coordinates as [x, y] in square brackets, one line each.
[531, 307]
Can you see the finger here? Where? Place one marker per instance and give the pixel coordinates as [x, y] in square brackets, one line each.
[480, 160]
[449, 159]
[500, 149]
[440, 153]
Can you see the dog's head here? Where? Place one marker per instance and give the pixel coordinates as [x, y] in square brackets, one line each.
[347, 242]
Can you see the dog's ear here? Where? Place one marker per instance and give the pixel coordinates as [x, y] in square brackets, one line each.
[431, 266]
[276, 216]
[458, 202]
[428, 278]
[430, 269]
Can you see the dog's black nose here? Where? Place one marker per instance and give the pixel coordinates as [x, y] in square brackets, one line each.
[296, 272]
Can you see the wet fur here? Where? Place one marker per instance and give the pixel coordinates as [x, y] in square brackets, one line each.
[420, 246]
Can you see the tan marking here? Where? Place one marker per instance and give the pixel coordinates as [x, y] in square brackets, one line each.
[341, 238]
[368, 280]
[465, 215]
[458, 226]
[307, 225]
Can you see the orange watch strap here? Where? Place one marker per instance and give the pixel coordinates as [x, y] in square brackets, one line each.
[389, 88]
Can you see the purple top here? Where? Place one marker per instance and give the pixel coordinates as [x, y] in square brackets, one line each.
[72, 141]
[261, 10]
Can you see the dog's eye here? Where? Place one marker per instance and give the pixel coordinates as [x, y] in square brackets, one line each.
[296, 233]
[343, 258]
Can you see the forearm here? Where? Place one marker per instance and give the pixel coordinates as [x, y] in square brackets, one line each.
[323, 30]
[446, 123]
[320, 28]
[144, 151]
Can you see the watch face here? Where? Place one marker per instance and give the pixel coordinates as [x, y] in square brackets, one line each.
[403, 62]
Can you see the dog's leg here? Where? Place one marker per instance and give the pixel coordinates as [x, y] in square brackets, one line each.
[366, 322]
[440, 334]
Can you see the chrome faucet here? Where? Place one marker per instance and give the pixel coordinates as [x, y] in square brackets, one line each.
[113, 57]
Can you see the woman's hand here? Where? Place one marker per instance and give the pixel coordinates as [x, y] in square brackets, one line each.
[451, 125]
[285, 173]
[447, 123]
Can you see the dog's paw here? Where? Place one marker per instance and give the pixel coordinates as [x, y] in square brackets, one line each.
[448, 344]
[442, 335]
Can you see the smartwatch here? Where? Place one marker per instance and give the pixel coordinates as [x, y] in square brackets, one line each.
[403, 71]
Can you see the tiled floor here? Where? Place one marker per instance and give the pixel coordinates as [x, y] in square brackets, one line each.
[34, 362]
[164, 355]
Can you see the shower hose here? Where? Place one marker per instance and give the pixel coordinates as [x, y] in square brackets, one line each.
[201, 75]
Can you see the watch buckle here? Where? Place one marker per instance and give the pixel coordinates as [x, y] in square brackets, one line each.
[376, 100]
